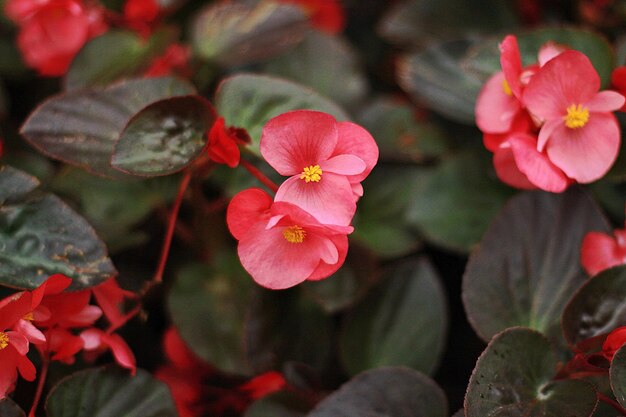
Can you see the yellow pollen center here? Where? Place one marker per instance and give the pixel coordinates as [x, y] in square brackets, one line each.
[311, 173]
[506, 88]
[4, 340]
[577, 116]
[29, 316]
[294, 234]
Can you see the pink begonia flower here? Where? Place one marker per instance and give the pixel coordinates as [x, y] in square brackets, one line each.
[600, 251]
[579, 133]
[280, 244]
[325, 159]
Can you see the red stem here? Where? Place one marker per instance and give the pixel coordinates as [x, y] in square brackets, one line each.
[612, 403]
[45, 363]
[259, 175]
[167, 242]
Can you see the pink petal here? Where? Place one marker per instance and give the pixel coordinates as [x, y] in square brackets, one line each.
[31, 333]
[605, 101]
[549, 51]
[357, 189]
[245, 209]
[507, 170]
[86, 317]
[330, 200]
[121, 352]
[546, 131]
[495, 110]
[289, 212]
[344, 165]
[91, 338]
[18, 341]
[599, 252]
[298, 139]
[566, 79]
[536, 166]
[354, 140]
[324, 270]
[587, 153]
[511, 63]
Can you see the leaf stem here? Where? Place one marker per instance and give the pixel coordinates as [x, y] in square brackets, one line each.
[45, 363]
[259, 175]
[612, 403]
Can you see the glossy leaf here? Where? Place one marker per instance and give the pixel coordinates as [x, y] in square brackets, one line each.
[527, 265]
[435, 77]
[514, 378]
[485, 58]
[114, 55]
[40, 235]
[618, 375]
[208, 306]
[403, 321]
[110, 392]
[326, 63]
[457, 201]
[598, 307]
[415, 21]
[9, 409]
[397, 392]
[249, 101]
[82, 127]
[238, 32]
[164, 137]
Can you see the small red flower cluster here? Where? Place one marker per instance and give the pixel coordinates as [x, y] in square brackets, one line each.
[51, 32]
[600, 251]
[547, 124]
[60, 325]
[301, 234]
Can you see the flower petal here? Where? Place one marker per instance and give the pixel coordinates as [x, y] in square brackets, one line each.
[548, 51]
[18, 341]
[546, 131]
[8, 374]
[536, 166]
[587, 153]
[298, 139]
[344, 165]
[495, 110]
[599, 252]
[605, 101]
[507, 170]
[511, 63]
[31, 333]
[324, 270]
[26, 368]
[355, 140]
[245, 209]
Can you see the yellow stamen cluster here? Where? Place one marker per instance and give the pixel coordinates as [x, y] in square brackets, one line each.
[294, 234]
[577, 116]
[29, 316]
[311, 173]
[506, 88]
[4, 340]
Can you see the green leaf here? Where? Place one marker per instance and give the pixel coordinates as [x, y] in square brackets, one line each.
[455, 205]
[282, 404]
[248, 101]
[514, 378]
[435, 77]
[15, 183]
[113, 55]
[209, 306]
[326, 63]
[415, 21]
[237, 33]
[82, 127]
[40, 235]
[618, 375]
[110, 392]
[397, 392]
[9, 409]
[485, 58]
[527, 265]
[403, 321]
[597, 308]
[399, 134]
[164, 137]
[283, 326]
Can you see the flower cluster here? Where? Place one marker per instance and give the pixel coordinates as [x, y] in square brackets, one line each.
[60, 325]
[301, 234]
[547, 124]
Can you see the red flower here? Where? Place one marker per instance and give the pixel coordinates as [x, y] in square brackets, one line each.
[140, 15]
[223, 146]
[280, 244]
[53, 31]
[600, 251]
[615, 340]
[618, 81]
[175, 60]
[326, 15]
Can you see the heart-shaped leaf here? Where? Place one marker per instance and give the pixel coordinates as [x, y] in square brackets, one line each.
[249, 101]
[238, 32]
[514, 378]
[397, 392]
[403, 321]
[164, 137]
[40, 235]
[113, 55]
[618, 375]
[82, 127]
[9, 409]
[527, 265]
[598, 307]
[110, 392]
